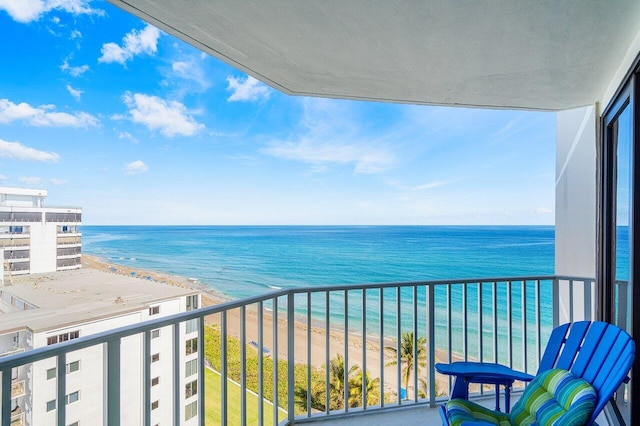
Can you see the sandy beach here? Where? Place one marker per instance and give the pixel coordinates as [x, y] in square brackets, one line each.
[302, 335]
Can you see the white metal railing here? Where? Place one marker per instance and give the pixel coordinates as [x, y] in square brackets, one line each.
[499, 319]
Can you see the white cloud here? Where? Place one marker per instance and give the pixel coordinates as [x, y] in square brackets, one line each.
[544, 210]
[30, 180]
[431, 185]
[366, 160]
[128, 136]
[74, 92]
[134, 43]
[58, 181]
[73, 71]
[75, 34]
[189, 68]
[169, 117]
[31, 10]
[135, 168]
[17, 151]
[248, 89]
[4, 178]
[43, 115]
[329, 134]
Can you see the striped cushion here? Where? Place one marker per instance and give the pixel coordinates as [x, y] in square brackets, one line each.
[461, 410]
[555, 397]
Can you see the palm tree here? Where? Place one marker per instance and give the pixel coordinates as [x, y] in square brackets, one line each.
[355, 389]
[406, 356]
[337, 380]
[336, 388]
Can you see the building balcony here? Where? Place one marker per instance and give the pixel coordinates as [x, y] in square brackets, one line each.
[354, 328]
[17, 420]
[18, 389]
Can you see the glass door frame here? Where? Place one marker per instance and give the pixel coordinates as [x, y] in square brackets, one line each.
[628, 96]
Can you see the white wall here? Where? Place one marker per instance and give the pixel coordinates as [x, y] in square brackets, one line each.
[576, 166]
[43, 251]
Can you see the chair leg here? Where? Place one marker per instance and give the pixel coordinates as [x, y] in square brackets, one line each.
[460, 389]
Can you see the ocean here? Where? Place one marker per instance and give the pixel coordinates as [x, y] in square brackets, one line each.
[242, 261]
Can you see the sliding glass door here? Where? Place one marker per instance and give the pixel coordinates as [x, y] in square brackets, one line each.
[619, 230]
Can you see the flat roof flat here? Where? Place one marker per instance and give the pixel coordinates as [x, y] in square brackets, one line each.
[77, 296]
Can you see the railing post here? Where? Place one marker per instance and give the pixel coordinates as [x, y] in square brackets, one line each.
[243, 363]
[364, 349]
[61, 378]
[113, 382]
[346, 351]
[146, 377]
[416, 362]
[260, 364]
[290, 358]
[201, 372]
[223, 368]
[431, 338]
[586, 292]
[6, 396]
[555, 301]
[177, 348]
[276, 393]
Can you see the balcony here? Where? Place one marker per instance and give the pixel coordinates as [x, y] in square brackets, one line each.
[353, 329]
[17, 419]
[18, 389]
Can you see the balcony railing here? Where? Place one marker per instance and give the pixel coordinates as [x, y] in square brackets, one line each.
[297, 331]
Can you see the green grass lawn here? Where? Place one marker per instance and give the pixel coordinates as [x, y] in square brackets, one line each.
[212, 405]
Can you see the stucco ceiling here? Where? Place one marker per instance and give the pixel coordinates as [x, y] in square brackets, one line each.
[540, 54]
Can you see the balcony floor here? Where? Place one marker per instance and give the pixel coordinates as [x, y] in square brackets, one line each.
[413, 416]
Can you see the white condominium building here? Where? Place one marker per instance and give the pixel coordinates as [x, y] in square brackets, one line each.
[34, 238]
[45, 309]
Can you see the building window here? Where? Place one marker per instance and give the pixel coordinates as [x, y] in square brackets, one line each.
[191, 389]
[191, 368]
[191, 346]
[191, 410]
[192, 302]
[155, 405]
[155, 334]
[63, 337]
[155, 357]
[192, 325]
[73, 366]
[51, 373]
[155, 381]
[51, 405]
[73, 397]
[154, 310]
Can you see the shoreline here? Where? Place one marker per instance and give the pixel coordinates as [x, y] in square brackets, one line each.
[315, 338]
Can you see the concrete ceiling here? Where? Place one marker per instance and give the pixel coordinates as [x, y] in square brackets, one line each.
[538, 54]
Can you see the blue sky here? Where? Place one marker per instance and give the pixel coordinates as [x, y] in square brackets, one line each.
[137, 127]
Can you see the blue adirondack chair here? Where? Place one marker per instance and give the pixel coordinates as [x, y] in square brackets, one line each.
[597, 353]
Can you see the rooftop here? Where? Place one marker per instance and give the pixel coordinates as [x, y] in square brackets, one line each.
[68, 297]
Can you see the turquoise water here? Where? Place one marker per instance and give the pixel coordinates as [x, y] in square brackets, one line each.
[246, 261]
[241, 261]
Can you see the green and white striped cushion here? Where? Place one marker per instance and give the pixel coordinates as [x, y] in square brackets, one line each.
[555, 397]
[461, 410]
